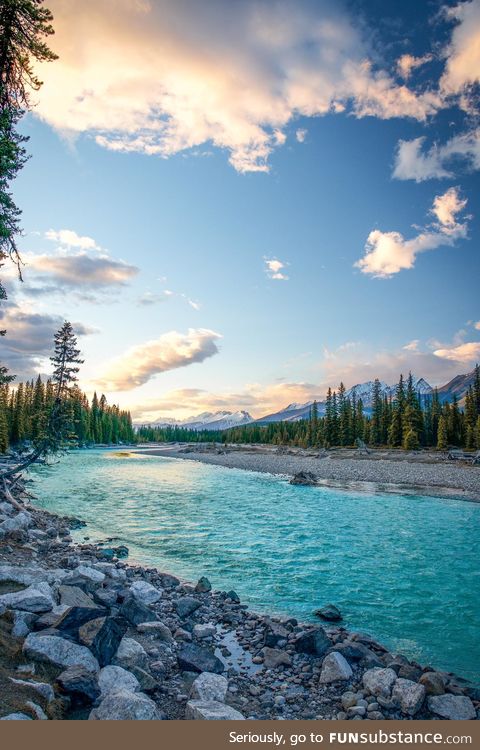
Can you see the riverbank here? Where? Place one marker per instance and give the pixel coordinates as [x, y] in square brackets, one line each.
[425, 473]
[84, 635]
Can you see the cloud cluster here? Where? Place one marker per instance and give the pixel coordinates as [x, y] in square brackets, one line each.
[387, 253]
[412, 162]
[160, 77]
[466, 353]
[169, 352]
[462, 69]
[274, 269]
[406, 64]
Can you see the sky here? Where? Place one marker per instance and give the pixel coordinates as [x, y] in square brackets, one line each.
[239, 204]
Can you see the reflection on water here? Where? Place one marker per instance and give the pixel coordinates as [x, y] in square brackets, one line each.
[404, 568]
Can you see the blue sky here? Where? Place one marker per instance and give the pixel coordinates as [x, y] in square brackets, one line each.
[232, 204]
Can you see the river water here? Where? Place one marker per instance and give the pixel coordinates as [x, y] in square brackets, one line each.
[405, 569]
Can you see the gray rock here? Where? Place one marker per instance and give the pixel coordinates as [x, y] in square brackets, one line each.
[453, 707]
[58, 651]
[145, 593]
[123, 705]
[136, 612]
[103, 637]
[73, 596]
[209, 687]
[20, 522]
[204, 630]
[79, 683]
[43, 688]
[74, 617]
[186, 606]
[304, 478]
[23, 623]
[329, 612]
[273, 658]
[130, 654]
[18, 716]
[433, 682]
[147, 683]
[86, 573]
[212, 711]
[203, 585]
[313, 641]
[157, 629]
[192, 658]
[274, 633]
[112, 678]
[36, 598]
[408, 695]
[349, 699]
[379, 682]
[335, 668]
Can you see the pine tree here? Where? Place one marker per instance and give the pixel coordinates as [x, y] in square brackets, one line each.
[376, 421]
[442, 439]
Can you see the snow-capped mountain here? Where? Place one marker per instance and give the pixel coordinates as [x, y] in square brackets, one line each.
[219, 420]
[364, 391]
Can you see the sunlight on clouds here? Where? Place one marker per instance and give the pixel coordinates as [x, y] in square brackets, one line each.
[69, 238]
[467, 353]
[169, 352]
[159, 78]
[387, 253]
[407, 63]
[411, 163]
[274, 269]
[462, 69]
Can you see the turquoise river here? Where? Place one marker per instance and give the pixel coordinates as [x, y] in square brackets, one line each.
[405, 569]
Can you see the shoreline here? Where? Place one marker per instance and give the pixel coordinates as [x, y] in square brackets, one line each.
[181, 651]
[340, 470]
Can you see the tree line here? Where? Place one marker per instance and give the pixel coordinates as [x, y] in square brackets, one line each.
[406, 420]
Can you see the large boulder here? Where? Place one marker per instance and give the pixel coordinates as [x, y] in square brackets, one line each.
[304, 478]
[73, 596]
[329, 612]
[24, 575]
[314, 642]
[85, 573]
[212, 711]
[20, 522]
[433, 682]
[103, 637]
[453, 707]
[192, 658]
[354, 651]
[58, 651]
[379, 682]
[186, 606]
[23, 623]
[130, 654]
[80, 684]
[408, 696]
[145, 593]
[42, 688]
[73, 619]
[123, 705]
[136, 612]
[203, 585]
[275, 657]
[37, 598]
[209, 687]
[112, 678]
[157, 630]
[335, 668]
[275, 632]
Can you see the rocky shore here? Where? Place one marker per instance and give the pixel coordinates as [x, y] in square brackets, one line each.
[419, 472]
[84, 635]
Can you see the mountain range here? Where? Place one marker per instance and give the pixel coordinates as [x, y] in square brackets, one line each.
[223, 420]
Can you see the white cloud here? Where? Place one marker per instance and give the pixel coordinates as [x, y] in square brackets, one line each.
[477, 325]
[161, 77]
[169, 352]
[274, 269]
[462, 70]
[301, 134]
[407, 63]
[412, 163]
[69, 238]
[387, 253]
[412, 346]
[466, 353]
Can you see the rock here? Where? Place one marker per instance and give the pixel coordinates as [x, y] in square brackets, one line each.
[379, 682]
[157, 630]
[408, 695]
[204, 630]
[335, 668]
[105, 597]
[113, 678]
[356, 711]
[79, 683]
[43, 688]
[23, 623]
[192, 658]
[212, 711]
[409, 672]
[145, 593]
[329, 612]
[233, 596]
[273, 658]
[17, 716]
[103, 637]
[304, 478]
[20, 522]
[73, 619]
[186, 606]
[353, 651]
[313, 641]
[453, 707]
[209, 687]
[73, 596]
[274, 633]
[24, 575]
[433, 682]
[87, 573]
[123, 705]
[36, 598]
[58, 651]
[147, 683]
[203, 585]
[349, 699]
[130, 653]
[136, 612]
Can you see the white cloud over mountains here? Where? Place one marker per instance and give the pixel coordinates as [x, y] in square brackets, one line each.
[169, 352]
[387, 253]
[160, 77]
